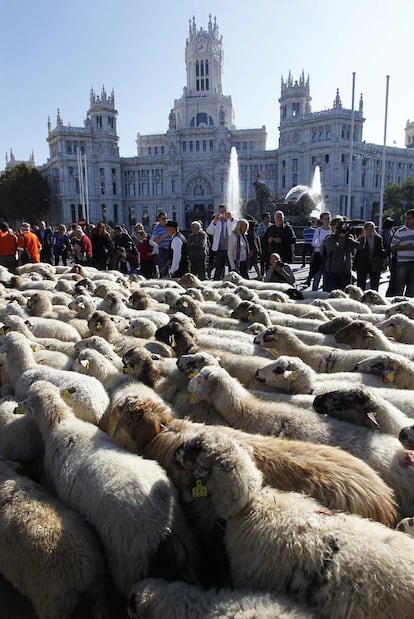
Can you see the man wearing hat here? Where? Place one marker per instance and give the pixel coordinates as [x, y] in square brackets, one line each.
[178, 250]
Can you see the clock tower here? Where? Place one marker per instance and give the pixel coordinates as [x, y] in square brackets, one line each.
[203, 103]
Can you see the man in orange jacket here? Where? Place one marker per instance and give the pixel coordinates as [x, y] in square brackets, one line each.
[28, 240]
[8, 247]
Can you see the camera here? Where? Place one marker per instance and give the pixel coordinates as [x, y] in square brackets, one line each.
[350, 226]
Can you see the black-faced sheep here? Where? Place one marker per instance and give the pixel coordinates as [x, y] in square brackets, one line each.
[283, 542]
[129, 501]
[363, 407]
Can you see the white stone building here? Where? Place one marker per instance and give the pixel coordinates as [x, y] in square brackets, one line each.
[183, 171]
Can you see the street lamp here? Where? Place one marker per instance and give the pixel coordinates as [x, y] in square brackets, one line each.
[364, 156]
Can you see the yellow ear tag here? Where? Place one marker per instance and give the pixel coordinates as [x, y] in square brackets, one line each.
[191, 375]
[173, 343]
[137, 333]
[199, 490]
[389, 376]
[2, 331]
[293, 375]
[193, 397]
[20, 409]
[66, 394]
[98, 326]
[37, 348]
[400, 330]
[249, 315]
[128, 369]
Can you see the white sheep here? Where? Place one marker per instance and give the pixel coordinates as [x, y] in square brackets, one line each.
[399, 327]
[329, 474]
[47, 551]
[281, 341]
[292, 375]
[86, 394]
[403, 307]
[393, 369]
[362, 335]
[280, 418]
[20, 438]
[154, 598]
[286, 542]
[52, 328]
[128, 500]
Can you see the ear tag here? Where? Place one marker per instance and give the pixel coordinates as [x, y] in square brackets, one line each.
[249, 315]
[85, 364]
[400, 330]
[191, 374]
[66, 394]
[128, 369]
[37, 348]
[199, 490]
[389, 376]
[137, 333]
[293, 375]
[20, 409]
[98, 326]
[2, 331]
[173, 343]
[193, 397]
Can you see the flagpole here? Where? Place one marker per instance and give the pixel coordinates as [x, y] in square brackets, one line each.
[348, 211]
[381, 209]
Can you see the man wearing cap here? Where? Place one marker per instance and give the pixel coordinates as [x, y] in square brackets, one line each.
[178, 250]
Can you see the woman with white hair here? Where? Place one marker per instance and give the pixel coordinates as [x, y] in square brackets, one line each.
[197, 245]
[238, 251]
[369, 258]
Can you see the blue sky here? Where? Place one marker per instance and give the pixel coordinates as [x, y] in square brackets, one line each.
[52, 53]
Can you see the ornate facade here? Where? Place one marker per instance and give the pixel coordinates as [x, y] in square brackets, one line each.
[183, 170]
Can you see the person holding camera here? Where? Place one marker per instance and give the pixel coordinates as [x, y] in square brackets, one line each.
[336, 253]
[220, 229]
[279, 272]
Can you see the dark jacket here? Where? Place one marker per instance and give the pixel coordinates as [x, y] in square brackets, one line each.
[365, 262]
[286, 248]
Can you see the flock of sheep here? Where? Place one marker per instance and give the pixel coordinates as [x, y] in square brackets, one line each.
[187, 449]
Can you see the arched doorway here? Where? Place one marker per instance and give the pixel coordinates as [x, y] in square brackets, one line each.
[198, 201]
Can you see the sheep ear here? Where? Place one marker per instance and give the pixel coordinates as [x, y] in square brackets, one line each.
[84, 363]
[371, 416]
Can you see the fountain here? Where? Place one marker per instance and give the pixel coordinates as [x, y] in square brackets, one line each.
[233, 186]
[314, 192]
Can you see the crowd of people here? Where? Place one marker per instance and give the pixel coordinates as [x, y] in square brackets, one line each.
[336, 249]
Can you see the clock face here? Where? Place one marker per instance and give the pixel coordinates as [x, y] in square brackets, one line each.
[200, 47]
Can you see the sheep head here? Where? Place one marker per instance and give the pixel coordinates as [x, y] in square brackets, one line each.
[395, 326]
[139, 422]
[332, 326]
[139, 361]
[139, 300]
[220, 469]
[192, 364]
[358, 334]
[385, 365]
[405, 307]
[203, 385]
[372, 297]
[354, 404]
[406, 437]
[283, 375]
